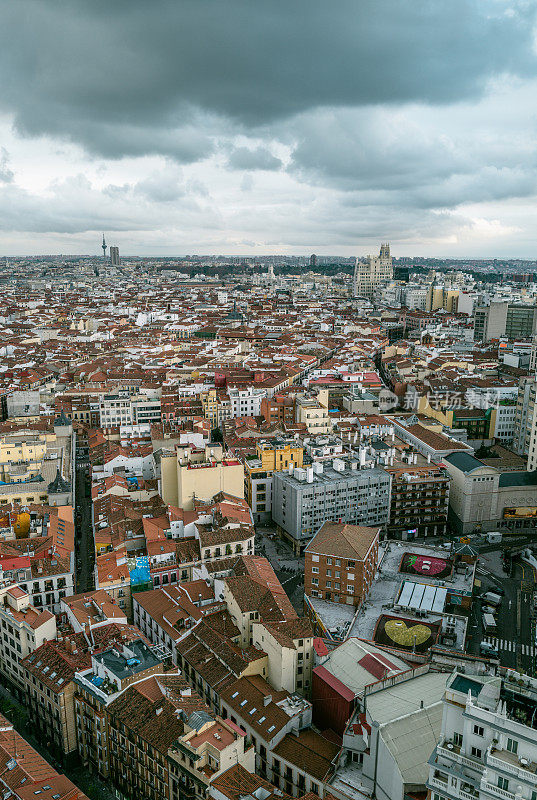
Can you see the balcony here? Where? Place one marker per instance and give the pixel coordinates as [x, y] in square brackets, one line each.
[454, 754]
[511, 763]
[495, 791]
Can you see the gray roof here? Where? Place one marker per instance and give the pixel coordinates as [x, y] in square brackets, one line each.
[411, 741]
[405, 698]
[464, 461]
[518, 478]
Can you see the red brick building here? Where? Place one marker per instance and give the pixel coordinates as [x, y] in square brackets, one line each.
[341, 561]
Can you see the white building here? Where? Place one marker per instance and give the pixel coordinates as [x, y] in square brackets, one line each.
[488, 744]
[246, 402]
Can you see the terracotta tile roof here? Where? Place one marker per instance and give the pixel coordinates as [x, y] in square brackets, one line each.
[309, 752]
[343, 540]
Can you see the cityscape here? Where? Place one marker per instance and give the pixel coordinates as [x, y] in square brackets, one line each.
[267, 527]
[268, 400]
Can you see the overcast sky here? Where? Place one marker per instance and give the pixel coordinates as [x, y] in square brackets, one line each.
[269, 126]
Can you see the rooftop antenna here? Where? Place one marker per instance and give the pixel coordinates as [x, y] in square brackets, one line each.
[104, 247]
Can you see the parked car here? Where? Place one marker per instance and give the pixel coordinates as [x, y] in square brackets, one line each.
[487, 649]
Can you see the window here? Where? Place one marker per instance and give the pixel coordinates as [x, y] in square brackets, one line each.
[478, 730]
[512, 745]
[350, 588]
[457, 739]
[503, 783]
[476, 752]
[315, 570]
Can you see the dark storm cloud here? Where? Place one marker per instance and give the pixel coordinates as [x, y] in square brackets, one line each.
[128, 77]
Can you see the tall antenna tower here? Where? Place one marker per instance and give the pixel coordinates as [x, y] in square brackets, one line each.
[104, 247]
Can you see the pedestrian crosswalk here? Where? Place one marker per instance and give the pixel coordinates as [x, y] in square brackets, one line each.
[510, 646]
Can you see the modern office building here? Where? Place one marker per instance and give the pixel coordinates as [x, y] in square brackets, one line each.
[500, 318]
[304, 499]
[114, 257]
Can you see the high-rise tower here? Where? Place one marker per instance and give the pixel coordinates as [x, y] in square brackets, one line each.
[114, 256]
[373, 272]
[104, 247]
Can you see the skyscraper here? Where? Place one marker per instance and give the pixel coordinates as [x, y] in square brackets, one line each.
[373, 272]
[114, 256]
[313, 260]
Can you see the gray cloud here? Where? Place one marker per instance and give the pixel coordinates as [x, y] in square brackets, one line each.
[391, 157]
[132, 77]
[258, 158]
[6, 174]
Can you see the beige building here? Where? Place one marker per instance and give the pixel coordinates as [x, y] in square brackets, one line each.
[289, 648]
[313, 412]
[373, 272]
[35, 466]
[439, 296]
[24, 629]
[199, 474]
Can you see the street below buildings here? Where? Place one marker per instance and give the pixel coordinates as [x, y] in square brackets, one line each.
[85, 547]
[514, 638]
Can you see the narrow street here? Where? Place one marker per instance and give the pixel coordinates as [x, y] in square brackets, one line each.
[85, 548]
[514, 638]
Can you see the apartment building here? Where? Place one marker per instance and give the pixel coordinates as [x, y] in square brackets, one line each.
[488, 742]
[123, 408]
[340, 491]
[191, 473]
[210, 403]
[164, 615]
[264, 715]
[524, 414]
[49, 683]
[36, 465]
[278, 409]
[341, 561]
[246, 402]
[23, 629]
[167, 744]
[419, 501]
[96, 687]
[26, 774]
[501, 318]
[313, 412]
[289, 647]
[272, 455]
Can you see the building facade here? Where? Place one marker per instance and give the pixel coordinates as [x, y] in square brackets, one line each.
[305, 499]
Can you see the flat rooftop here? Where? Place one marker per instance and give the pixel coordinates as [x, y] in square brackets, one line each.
[389, 582]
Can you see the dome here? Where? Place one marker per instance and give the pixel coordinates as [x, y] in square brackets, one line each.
[22, 525]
